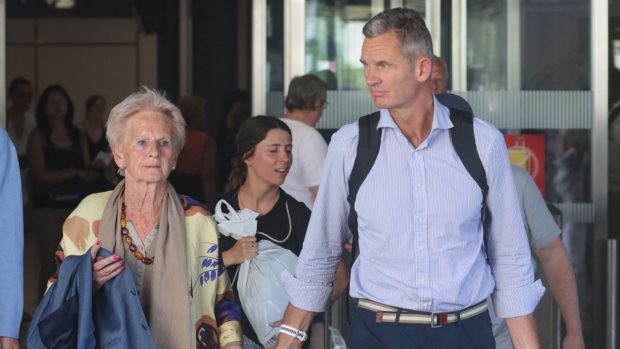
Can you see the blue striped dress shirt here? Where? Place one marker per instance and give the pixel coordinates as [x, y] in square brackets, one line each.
[420, 236]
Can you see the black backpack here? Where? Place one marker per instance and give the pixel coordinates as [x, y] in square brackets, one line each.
[462, 135]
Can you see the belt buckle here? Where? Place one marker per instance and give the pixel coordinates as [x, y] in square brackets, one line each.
[439, 319]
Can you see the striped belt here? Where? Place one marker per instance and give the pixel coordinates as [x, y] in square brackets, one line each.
[389, 314]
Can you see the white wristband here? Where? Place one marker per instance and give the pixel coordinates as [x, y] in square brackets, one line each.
[294, 332]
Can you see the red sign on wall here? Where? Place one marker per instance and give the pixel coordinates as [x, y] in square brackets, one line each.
[528, 152]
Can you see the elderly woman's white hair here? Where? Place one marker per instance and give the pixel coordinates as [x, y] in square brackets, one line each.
[144, 99]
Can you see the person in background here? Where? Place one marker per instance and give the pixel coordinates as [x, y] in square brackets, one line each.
[304, 105]
[439, 75]
[20, 122]
[422, 276]
[544, 235]
[239, 109]
[94, 126]
[163, 238]
[263, 160]
[195, 171]
[57, 160]
[11, 245]
[98, 148]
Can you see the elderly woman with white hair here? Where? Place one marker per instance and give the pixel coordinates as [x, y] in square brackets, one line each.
[168, 241]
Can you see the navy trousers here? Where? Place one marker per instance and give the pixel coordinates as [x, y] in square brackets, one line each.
[472, 333]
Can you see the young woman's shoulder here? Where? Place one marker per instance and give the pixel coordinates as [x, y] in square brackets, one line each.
[229, 197]
[296, 207]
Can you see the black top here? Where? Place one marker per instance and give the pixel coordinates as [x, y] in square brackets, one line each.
[57, 158]
[95, 147]
[67, 193]
[275, 224]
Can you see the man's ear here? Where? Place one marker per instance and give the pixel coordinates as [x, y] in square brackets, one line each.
[423, 67]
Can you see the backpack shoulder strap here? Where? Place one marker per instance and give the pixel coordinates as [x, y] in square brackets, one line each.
[464, 142]
[368, 144]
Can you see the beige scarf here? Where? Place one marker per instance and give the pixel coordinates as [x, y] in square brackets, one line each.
[168, 293]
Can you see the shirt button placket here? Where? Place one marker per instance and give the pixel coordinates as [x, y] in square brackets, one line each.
[421, 204]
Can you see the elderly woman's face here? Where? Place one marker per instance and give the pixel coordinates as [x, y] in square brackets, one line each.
[146, 154]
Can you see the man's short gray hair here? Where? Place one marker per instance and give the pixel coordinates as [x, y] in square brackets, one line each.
[142, 100]
[413, 35]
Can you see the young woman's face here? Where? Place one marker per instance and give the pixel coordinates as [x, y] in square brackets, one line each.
[272, 158]
[56, 106]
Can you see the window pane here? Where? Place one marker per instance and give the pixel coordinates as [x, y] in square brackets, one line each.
[486, 45]
[334, 42]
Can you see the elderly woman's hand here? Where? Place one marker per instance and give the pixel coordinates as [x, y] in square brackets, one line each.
[244, 248]
[104, 269]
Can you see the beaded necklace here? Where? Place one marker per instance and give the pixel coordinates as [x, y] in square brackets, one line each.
[129, 241]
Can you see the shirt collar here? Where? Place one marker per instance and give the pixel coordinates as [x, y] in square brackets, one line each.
[441, 118]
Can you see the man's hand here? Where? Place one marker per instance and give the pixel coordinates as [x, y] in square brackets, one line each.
[573, 341]
[296, 318]
[9, 343]
[288, 342]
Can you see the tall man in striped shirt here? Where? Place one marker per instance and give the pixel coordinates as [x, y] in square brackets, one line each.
[422, 276]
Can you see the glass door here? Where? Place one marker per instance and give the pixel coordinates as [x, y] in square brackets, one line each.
[537, 69]
[528, 71]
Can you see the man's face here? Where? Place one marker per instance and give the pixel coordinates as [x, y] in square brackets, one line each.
[439, 79]
[392, 81]
[22, 98]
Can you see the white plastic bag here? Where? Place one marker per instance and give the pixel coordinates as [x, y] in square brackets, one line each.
[261, 293]
[236, 224]
[338, 341]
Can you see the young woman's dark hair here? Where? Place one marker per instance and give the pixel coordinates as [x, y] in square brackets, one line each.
[251, 132]
[42, 118]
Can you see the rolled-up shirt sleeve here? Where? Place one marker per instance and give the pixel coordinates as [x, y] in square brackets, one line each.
[516, 292]
[309, 289]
